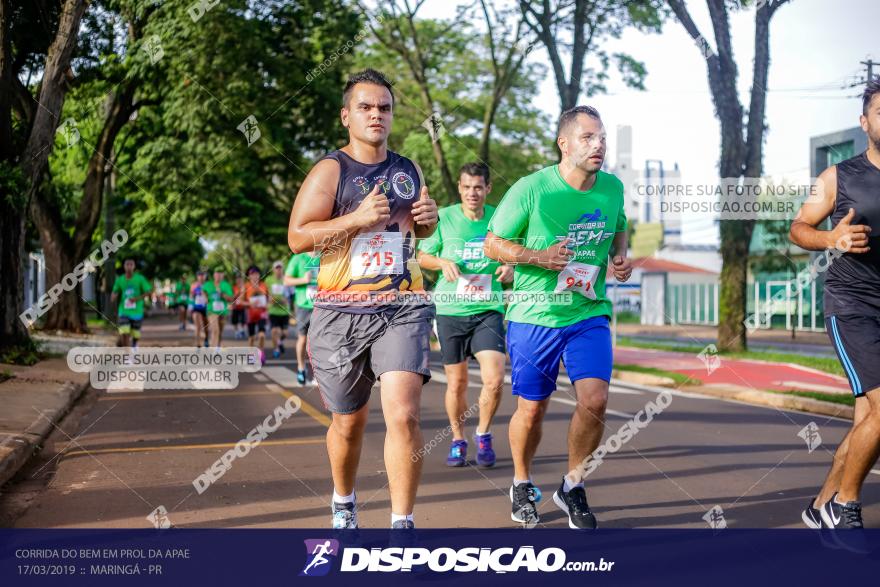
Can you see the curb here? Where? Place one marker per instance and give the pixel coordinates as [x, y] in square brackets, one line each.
[17, 447]
[753, 397]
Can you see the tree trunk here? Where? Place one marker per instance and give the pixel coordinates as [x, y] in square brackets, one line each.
[62, 252]
[12, 213]
[736, 235]
[33, 161]
[12, 253]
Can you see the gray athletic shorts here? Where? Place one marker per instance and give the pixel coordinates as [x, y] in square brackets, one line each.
[303, 318]
[349, 352]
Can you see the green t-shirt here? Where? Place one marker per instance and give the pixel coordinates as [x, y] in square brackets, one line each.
[181, 292]
[460, 239]
[216, 302]
[128, 289]
[541, 209]
[277, 296]
[298, 266]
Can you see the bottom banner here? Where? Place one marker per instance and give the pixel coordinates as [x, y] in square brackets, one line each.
[178, 556]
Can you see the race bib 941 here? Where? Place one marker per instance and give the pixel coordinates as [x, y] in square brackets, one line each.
[578, 277]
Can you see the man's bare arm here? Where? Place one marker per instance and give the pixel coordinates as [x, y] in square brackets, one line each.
[555, 257]
[846, 237]
[424, 210]
[619, 244]
[449, 268]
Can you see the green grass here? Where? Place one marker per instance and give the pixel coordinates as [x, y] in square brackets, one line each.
[847, 400]
[679, 378]
[826, 364]
[629, 318]
[4, 375]
[24, 354]
[99, 323]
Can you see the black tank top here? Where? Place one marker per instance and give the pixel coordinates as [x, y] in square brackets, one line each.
[852, 285]
[340, 285]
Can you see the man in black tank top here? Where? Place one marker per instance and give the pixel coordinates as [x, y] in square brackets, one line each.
[849, 193]
[363, 207]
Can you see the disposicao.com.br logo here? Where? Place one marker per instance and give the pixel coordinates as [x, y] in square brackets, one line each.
[442, 560]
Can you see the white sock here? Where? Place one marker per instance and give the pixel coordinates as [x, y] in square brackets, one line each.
[478, 433]
[396, 517]
[567, 485]
[343, 498]
[520, 481]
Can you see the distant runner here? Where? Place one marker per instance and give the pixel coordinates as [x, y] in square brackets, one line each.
[130, 289]
[279, 308]
[470, 323]
[302, 274]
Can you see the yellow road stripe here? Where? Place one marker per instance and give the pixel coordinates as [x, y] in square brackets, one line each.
[114, 397]
[308, 408]
[190, 446]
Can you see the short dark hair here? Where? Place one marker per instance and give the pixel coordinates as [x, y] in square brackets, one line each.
[367, 76]
[569, 116]
[475, 168]
[871, 90]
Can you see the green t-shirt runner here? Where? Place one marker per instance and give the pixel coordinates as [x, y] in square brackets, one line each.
[181, 292]
[538, 211]
[128, 289]
[298, 266]
[216, 302]
[460, 239]
[277, 300]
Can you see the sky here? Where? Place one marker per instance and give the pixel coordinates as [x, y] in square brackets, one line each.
[815, 49]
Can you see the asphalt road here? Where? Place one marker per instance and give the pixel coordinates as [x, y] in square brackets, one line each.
[119, 456]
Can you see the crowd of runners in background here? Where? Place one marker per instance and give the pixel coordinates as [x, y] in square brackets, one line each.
[258, 305]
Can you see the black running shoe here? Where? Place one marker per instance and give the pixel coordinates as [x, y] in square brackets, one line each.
[812, 517]
[523, 498]
[574, 503]
[845, 522]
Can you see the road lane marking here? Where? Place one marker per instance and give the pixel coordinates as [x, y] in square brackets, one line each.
[306, 407]
[571, 402]
[440, 377]
[260, 377]
[98, 451]
[282, 376]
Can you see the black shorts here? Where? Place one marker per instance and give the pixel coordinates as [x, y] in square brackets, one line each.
[857, 343]
[464, 336]
[277, 321]
[254, 327]
[127, 324]
[238, 316]
[202, 311]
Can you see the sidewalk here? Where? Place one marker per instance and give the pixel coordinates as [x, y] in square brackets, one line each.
[755, 382]
[805, 343]
[34, 399]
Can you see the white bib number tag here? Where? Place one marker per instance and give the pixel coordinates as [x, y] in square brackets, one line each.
[377, 253]
[474, 287]
[130, 303]
[277, 289]
[219, 306]
[201, 300]
[578, 277]
[258, 301]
